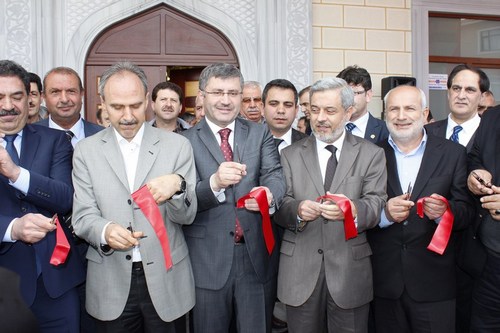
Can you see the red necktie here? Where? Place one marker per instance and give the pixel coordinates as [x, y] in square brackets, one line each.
[228, 156]
[344, 204]
[144, 199]
[62, 247]
[442, 234]
[267, 229]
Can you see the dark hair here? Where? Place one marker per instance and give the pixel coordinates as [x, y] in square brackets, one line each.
[11, 68]
[282, 84]
[65, 71]
[98, 114]
[484, 81]
[219, 70]
[355, 75]
[170, 86]
[36, 79]
[304, 90]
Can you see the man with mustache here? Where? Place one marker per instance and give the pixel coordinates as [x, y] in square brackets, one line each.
[37, 112]
[63, 96]
[167, 100]
[325, 279]
[35, 184]
[414, 286]
[252, 107]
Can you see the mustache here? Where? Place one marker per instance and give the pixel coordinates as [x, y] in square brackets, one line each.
[11, 112]
[129, 122]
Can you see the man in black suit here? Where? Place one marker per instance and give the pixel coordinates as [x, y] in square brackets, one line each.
[484, 162]
[415, 287]
[63, 96]
[362, 123]
[466, 87]
[280, 109]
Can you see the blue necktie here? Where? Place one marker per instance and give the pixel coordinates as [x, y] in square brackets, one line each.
[349, 127]
[456, 130]
[11, 149]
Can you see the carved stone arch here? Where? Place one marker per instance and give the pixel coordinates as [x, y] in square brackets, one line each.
[157, 39]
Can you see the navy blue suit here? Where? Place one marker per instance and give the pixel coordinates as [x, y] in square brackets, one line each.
[46, 154]
[376, 129]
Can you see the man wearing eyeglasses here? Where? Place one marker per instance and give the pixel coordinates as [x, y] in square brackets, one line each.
[252, 107]
[234, 271]
[362, 123]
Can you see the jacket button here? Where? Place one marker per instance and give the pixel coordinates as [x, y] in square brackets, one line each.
[404, 247]
[231, 233]
[320, 251]
[23, 209]
[405, 223]
[129, 201]
[128, 257]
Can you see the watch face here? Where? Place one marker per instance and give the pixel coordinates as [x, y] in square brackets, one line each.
[183, 185]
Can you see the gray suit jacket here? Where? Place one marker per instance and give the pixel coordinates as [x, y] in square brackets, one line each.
[210, 237]
[360, 176]
[102, 194]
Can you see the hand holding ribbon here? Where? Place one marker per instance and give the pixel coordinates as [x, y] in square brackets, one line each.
[62, 247]
[259, 194]
[344, 204]
[443, 231]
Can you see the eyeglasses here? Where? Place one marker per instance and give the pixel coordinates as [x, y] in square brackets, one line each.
[220, 93]
[250, 99]
[359, 92]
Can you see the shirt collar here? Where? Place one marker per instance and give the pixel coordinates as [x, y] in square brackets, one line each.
[468, 126]
[77, 129]
[414, 151]
[137, 139]
[362, 121]
[287, 137]
[337, 143]
[216, 128]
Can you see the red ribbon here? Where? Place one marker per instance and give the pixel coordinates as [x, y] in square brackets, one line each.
[261, 197]
[344, 204]
[62, 247]
[144, 199]
[442, 234]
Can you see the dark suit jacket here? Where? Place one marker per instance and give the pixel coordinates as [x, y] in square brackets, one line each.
[401, 259]
[485, 154]
[438, 128]
[210, 237]
[46, 153]
[297, 135]
[376, 130]
[88, 127]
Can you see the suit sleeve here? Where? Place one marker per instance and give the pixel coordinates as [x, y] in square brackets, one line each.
[271, 172]
[287, 214]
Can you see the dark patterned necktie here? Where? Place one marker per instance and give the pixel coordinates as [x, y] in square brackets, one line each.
[228, 156]
[456, 130]
[349, 127]
[331, 166]
[69, 135]
[11, 149]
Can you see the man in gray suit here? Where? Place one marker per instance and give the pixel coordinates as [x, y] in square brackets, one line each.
[130, 285]
[324, 279]
[234, 271]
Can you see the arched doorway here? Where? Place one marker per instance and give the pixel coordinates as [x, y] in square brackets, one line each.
[167, 44]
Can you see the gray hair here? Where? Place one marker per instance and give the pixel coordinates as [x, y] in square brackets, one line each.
[423, 99]
[252, 84]
[333, 83]
[120, 67]
[219, 70]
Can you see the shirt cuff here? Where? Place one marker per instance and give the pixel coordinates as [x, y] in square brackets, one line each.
[23, 181]
[7, 237]
[220, 195]
[384, 221]
[103, 234]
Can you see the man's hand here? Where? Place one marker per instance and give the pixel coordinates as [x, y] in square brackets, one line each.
[228, 173]
[479, 182]
[309, 210]
[398, 208]
[251, 204]
[433, 207]
[331, 211]
[492, 202]
[164, 187]
[31, 228]
[120, 238]
[8, 168]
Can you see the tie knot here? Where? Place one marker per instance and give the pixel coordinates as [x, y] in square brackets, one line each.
[224, 133]
[457, 129]
[332, 149]
[349, 127]
[278, 141]
[10, 137]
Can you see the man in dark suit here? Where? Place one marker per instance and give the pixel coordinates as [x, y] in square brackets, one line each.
[484, 161]
[415, 287]
[63, 96]
[324, 279]
[280, 109]
[234, 273]
[362, 123]
[466, 87]
[35, 184]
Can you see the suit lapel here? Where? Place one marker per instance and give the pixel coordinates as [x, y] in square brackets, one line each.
[311, 163]
[348, 155]
[29, 146]
[208, 140]
[393, 184]
[240, 140]
[430, 161]
[112, 154]
[147, 156]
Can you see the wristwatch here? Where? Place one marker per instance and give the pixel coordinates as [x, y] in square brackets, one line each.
[182, 185]
[301, 224]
